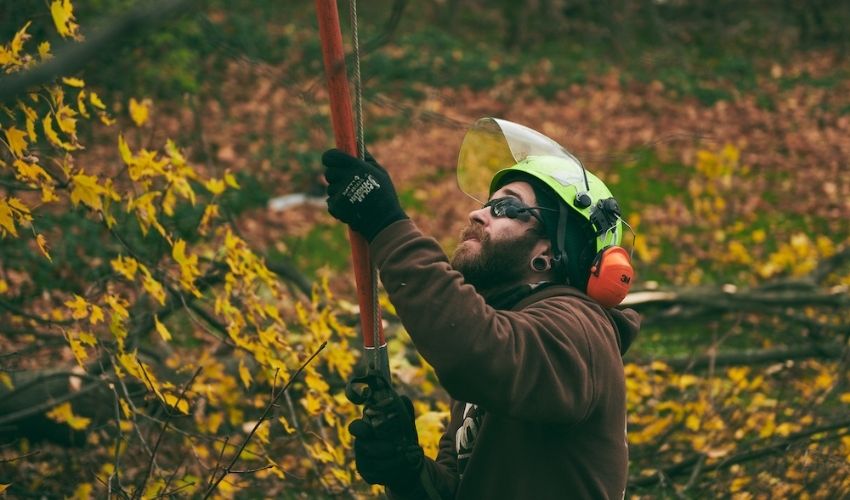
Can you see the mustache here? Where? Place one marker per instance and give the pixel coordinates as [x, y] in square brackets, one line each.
[473, 231]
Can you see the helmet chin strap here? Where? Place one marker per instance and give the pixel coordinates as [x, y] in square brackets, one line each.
[560, 259]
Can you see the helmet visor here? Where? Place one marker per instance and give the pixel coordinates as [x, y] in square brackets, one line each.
[493, 144]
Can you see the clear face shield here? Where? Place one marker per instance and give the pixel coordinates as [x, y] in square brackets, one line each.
[493, 144]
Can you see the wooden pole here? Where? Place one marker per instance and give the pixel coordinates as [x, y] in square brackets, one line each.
[344, 134]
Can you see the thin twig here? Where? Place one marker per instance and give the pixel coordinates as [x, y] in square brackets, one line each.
[165, 425]
[21, 457]
[315, 466]
[262, 418]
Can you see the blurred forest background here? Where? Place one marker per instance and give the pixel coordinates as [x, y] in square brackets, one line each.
[167, 266]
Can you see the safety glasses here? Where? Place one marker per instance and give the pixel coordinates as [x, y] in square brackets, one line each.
[512, 208]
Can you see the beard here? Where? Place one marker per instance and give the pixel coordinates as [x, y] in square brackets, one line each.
[495, 263]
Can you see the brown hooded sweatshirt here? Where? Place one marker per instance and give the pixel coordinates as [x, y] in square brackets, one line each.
[541, 384]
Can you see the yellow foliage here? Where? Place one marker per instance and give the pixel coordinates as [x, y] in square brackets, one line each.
[161, 329]
[65, 414]
[12, 211]
[83, 492]
[6, 380]
[63, 18]
[16, 140]
[244, 374]
[86, 189]
[430, 426]
[177, 402]
[139, 111]
[125, 266]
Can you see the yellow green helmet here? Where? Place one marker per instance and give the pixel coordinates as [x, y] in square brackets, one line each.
[495, 150]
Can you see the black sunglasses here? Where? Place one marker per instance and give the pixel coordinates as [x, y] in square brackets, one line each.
[512, 208]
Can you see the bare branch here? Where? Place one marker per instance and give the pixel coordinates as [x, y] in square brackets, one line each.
[164, 428]
[752, 454]
[229, 468]
[749, 356]
[73, 55]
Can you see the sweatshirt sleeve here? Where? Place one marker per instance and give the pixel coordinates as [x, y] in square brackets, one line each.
[442, 472]
[536, 363]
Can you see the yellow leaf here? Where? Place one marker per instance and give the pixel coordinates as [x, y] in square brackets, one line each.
[42, 245]
[152, 286]
[94, 99]
[210, 213]
[692, 422]
[65, 414]
[659, 366]
[81, 104]
[146, 211]
[83, 491]
[66, 121]
[124, 149]
[47, 124]
[315, 382]
[7, 220]
[48, 194]
[845, 397]
[311, 404]
[79, 307]
[87, 338]
[262, 433]
[44, 50]
[63, 18]
[74, 82]
[30, 172]
[214, 421]
[139, 111]
[87, 190]
[430, 426]
[31, 118]
[118, 306]
[175, 402]
[215, 186]
[285, 423]
[244, 374]
[161, 329]
[17, 141]
[125, 266]
[188, 266]
[6, 380]
[230, 180]
[20, 37]
[738, 484]
[6, 57]
[96, 314]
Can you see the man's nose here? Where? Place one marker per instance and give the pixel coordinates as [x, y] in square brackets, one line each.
[480, 216]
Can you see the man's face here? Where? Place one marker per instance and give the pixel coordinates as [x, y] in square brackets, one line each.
[498, 250]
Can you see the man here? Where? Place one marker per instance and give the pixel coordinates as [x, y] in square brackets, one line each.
[533, 364]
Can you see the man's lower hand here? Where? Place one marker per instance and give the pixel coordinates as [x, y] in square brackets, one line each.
[386, 446]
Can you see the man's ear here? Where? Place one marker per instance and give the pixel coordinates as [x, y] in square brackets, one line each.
[543, 248]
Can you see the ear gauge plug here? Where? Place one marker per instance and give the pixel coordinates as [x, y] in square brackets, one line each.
[540, 264]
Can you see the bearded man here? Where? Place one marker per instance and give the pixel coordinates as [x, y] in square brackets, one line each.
[532, 363]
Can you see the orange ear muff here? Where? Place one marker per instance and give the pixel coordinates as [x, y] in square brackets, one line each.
[610, 276]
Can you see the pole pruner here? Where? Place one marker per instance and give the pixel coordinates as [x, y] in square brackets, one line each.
[342, 119]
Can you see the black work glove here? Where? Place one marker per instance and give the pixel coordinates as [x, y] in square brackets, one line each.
[386, 445]
[360, 193]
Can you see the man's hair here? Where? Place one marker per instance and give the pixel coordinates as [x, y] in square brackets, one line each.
[579, 240]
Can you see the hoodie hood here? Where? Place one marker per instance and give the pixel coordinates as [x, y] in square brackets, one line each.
[626, 321]
[627, 324]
